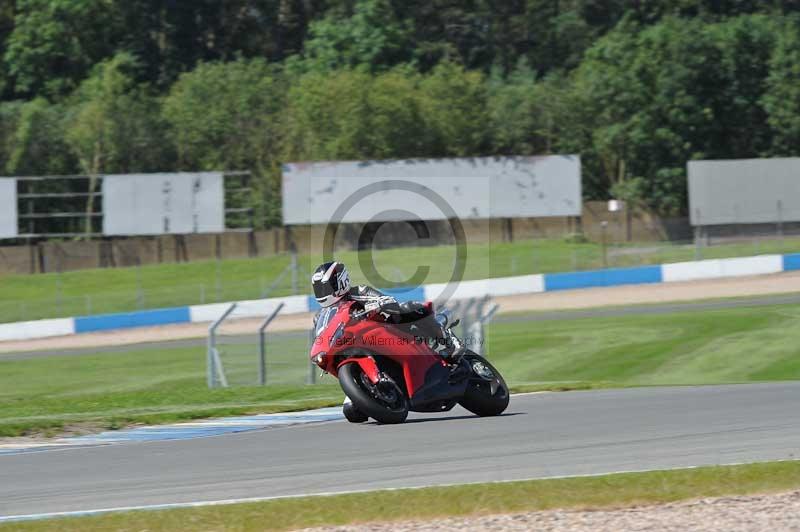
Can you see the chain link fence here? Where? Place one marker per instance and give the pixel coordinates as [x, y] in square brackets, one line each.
[169, 291]
[576, 255]
[287, 361]
[246, 353]
[197, 283]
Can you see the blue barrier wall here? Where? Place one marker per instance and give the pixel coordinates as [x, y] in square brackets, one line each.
[127, 320]
[791, 262]
[552, 281]
[612, 277]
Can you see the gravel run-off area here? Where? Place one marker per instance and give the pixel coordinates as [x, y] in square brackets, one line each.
[772, 513]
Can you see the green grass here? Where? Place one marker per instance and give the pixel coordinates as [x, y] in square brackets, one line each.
[27, 297]
[111, 390]
[163, 385]
[608, 491]
[695, 347]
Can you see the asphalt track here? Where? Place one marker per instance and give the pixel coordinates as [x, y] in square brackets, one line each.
[542, 435]
[599, 312]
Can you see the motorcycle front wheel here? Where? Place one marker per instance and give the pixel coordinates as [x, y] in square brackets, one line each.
[384, 402]
[487, 393]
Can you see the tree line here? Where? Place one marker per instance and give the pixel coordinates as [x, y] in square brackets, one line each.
[636, 88]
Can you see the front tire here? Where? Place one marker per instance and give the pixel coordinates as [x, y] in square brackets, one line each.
[487, 393]
[387, 405]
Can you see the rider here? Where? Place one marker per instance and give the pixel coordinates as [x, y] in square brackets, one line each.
[331, 283]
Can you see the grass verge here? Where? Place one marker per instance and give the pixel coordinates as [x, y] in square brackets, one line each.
[50, 395]
[608, 491]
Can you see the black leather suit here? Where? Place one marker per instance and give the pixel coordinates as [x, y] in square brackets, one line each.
[411, 316]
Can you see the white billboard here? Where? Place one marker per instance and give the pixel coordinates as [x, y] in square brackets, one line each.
[431, 189]
[8, 208]
[156, 204]
[744, 191]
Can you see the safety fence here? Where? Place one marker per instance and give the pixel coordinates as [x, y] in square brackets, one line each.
[139, 288]
[503, 286]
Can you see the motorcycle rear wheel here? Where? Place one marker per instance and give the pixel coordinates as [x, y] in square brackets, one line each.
[355, 385]
[479, 397]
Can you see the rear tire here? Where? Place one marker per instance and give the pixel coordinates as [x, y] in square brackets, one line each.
[352, 380]
[478, 398]
[353, 414]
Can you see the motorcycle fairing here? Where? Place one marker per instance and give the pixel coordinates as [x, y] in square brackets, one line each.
[368, 366]
[437, 393]
[387, 339]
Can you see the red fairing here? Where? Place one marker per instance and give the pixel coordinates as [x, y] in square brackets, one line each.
[337, 334]
[367, 364]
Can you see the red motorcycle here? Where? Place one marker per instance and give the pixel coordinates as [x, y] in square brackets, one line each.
[385, 371]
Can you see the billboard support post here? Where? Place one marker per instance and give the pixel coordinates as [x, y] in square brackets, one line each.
[294, 272]
[603, 228]
[698, 237]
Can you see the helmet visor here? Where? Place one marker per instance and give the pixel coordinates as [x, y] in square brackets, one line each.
[322, 290]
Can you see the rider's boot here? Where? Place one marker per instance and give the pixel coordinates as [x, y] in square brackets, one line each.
[449, 347]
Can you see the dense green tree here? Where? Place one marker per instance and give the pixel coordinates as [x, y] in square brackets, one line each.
[480, 34]
[328, 116]
[37, 145]
[745, 46]
[113, 124]
[397, 123]
[6, 27]
[782, 98]
[530, 115]
[521, 112]
[454, 106]
[350, 114]
[636, 88]
[457, 31]
[226, 115]
[172, 36]
[55, 43]
[372, 37]
[9, 118]
[680, 89]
